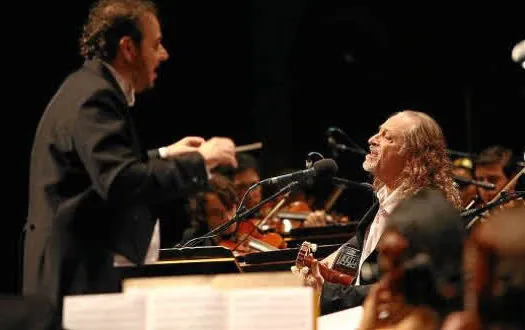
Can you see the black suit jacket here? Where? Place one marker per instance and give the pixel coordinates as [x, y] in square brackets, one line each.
[91, 188]
[336, 297]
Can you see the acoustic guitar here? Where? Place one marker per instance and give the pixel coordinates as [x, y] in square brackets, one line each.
[305, 259]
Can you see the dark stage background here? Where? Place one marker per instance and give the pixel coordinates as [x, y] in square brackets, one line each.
[282, 72]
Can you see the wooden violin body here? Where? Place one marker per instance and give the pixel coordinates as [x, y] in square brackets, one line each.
[250, 231]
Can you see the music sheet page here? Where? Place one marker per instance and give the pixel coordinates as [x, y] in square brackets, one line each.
[105, 312]
[277, 308]
[347, 319]
[191, 308]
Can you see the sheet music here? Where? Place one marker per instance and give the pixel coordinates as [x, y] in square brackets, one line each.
[347, 319]
[271, 308]
[105, 312]
[195, 307]
[187, 308]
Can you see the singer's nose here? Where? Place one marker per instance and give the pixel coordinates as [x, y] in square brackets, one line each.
[373, 140]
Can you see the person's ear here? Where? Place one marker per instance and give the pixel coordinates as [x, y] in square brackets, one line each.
[128, 48]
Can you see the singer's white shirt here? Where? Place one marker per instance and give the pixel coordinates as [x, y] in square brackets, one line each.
[387, 202]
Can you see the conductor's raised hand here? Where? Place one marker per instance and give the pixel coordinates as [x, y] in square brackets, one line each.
[183, 146]
[218, 151]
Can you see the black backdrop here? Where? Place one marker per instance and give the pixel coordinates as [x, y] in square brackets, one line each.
[282, 72]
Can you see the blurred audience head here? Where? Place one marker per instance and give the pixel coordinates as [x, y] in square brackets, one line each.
[432, 238]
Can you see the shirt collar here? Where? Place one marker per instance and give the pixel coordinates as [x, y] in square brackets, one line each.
[389, 199]
[126, 88]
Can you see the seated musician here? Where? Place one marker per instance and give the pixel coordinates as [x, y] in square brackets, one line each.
[497, 165]
[323, 210]
[407, 154]
[246, 174]
[210, 209]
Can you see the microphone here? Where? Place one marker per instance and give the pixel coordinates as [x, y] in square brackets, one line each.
[518, 53]
[485, 185]
[323, 168]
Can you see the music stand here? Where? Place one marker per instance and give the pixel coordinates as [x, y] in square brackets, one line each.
[186, 261]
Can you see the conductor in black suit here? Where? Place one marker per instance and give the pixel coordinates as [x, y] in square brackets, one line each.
[92, 186]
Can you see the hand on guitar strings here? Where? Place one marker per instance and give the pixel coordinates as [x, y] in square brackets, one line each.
[311, 275]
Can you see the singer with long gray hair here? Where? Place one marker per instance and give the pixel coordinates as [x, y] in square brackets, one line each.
[407, 154]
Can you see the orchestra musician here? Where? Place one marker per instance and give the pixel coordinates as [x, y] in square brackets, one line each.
[210, 209]
[407, 154]
[497, 165]
[245, 175]
[214, 207]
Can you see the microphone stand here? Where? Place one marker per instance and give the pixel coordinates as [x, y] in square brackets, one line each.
[342, 147]
[241, 216]
[460, 153]
[349, 183]
[467, 181]
[476, 214]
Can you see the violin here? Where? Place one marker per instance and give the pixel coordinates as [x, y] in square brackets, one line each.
[250, 237]
[238, 249]
[292, 216]
[299, 211]
[299, 206]
[254, 234]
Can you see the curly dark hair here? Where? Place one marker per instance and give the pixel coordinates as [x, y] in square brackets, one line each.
[220, 185]
[108, 22]
[498, 154]
[428, 164]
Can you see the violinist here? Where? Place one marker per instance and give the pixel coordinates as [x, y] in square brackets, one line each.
[245, 175]
[407, 154]
[210, 209]
[497, 165]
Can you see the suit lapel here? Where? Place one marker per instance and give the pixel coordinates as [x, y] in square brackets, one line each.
[97, 67]
[365, 221]
[140, 234]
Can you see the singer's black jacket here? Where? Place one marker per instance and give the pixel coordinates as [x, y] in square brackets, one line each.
[92, 187]
[337, 297]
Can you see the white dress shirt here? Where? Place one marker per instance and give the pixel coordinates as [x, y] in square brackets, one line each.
[387, 202]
